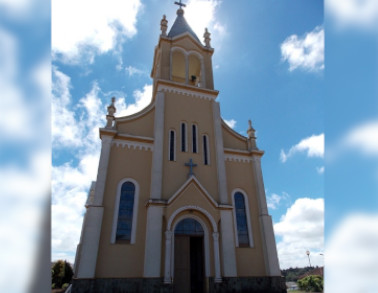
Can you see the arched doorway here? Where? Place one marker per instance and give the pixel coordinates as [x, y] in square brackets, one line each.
[189, 271]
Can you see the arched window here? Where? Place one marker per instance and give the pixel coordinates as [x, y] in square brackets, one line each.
[178, 67]
[241, 219]
[194, 138]
[172, 145]
[125, 211]
[183, 137]
[194, 71]
[206, 156]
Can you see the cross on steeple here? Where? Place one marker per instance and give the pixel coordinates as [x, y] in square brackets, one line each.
[190, 165]
[180, 4]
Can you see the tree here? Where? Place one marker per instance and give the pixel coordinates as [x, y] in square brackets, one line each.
[61, 273]
[311, 283]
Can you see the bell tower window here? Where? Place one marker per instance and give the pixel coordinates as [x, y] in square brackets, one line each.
[194, 71]
[178, 65]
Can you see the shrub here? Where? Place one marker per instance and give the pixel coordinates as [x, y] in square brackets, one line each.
[311, 283]
[65, 286]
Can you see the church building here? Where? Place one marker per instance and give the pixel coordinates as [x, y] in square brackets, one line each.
[179, 202]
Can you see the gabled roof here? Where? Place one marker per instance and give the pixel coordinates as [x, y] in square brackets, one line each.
[180, 26]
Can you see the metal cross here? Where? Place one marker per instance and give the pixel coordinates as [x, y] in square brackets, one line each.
[190, 165]
[180, 4]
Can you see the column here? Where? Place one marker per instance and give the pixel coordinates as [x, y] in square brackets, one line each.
[93, 217]
[269, 242]
[168, 251]
[218, 278]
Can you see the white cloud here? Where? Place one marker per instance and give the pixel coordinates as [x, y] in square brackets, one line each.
[363, 137]
[231, 123]
[353, 13]
[64, 128]
[320, 170]
[352, 255]
[301, 229]
[313, 145]
[91, 26]
[23, 194]
[132, 71]
[274, 199]
[142, 99]
[15, 118]
[306, 52]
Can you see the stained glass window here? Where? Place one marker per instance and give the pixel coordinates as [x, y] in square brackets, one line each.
[205, 150]
[171, 145]
[189, 227]
[183, 137]
[241, 219]
[125, 211]
[194, 137]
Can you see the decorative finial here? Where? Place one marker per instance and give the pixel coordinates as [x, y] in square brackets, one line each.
[180, 11]
[206, 35]
[251, 136]
[180, 4]
[110, 117]
[164, 26]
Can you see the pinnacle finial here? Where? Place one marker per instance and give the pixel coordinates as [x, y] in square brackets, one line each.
[207, 38]
[251, 136]
[164, 26]
[110, 117]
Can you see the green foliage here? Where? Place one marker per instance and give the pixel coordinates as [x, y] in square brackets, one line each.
[53, 286]
[311, 284]
[293, 274]
[65, 286]
[61, 273]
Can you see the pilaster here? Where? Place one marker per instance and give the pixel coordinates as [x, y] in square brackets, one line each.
[219, 152]
[152, 255]
[228, 244]
[157, 157]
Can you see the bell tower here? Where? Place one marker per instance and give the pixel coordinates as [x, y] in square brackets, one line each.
[180, 56]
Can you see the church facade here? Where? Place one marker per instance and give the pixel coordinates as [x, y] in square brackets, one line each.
[179, 203]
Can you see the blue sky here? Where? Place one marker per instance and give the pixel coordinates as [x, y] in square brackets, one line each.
[294, 99]
[260, 70]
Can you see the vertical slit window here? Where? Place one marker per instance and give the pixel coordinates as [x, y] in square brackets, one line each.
[194, 138]
[183, 137]
[205, 150]
[171, 145]
[241, 219]
[125, 211]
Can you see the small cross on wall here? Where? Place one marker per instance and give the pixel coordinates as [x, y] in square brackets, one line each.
[190, 165]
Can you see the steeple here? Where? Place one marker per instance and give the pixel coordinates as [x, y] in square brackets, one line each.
[180, 26]
[180, 57]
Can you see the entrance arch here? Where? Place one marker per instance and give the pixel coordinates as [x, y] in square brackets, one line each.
[173, 221]
[189, 273]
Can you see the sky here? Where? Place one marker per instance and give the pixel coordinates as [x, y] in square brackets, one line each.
[314, 108]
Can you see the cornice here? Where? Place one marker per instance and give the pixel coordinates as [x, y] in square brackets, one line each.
[186, 90]
[133, 145]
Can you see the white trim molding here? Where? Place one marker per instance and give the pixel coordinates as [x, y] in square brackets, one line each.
[185, 92]
[238, 158]
[116, 210]
[169, 243]
[134, 145]
[249, 224]
[192, 207]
